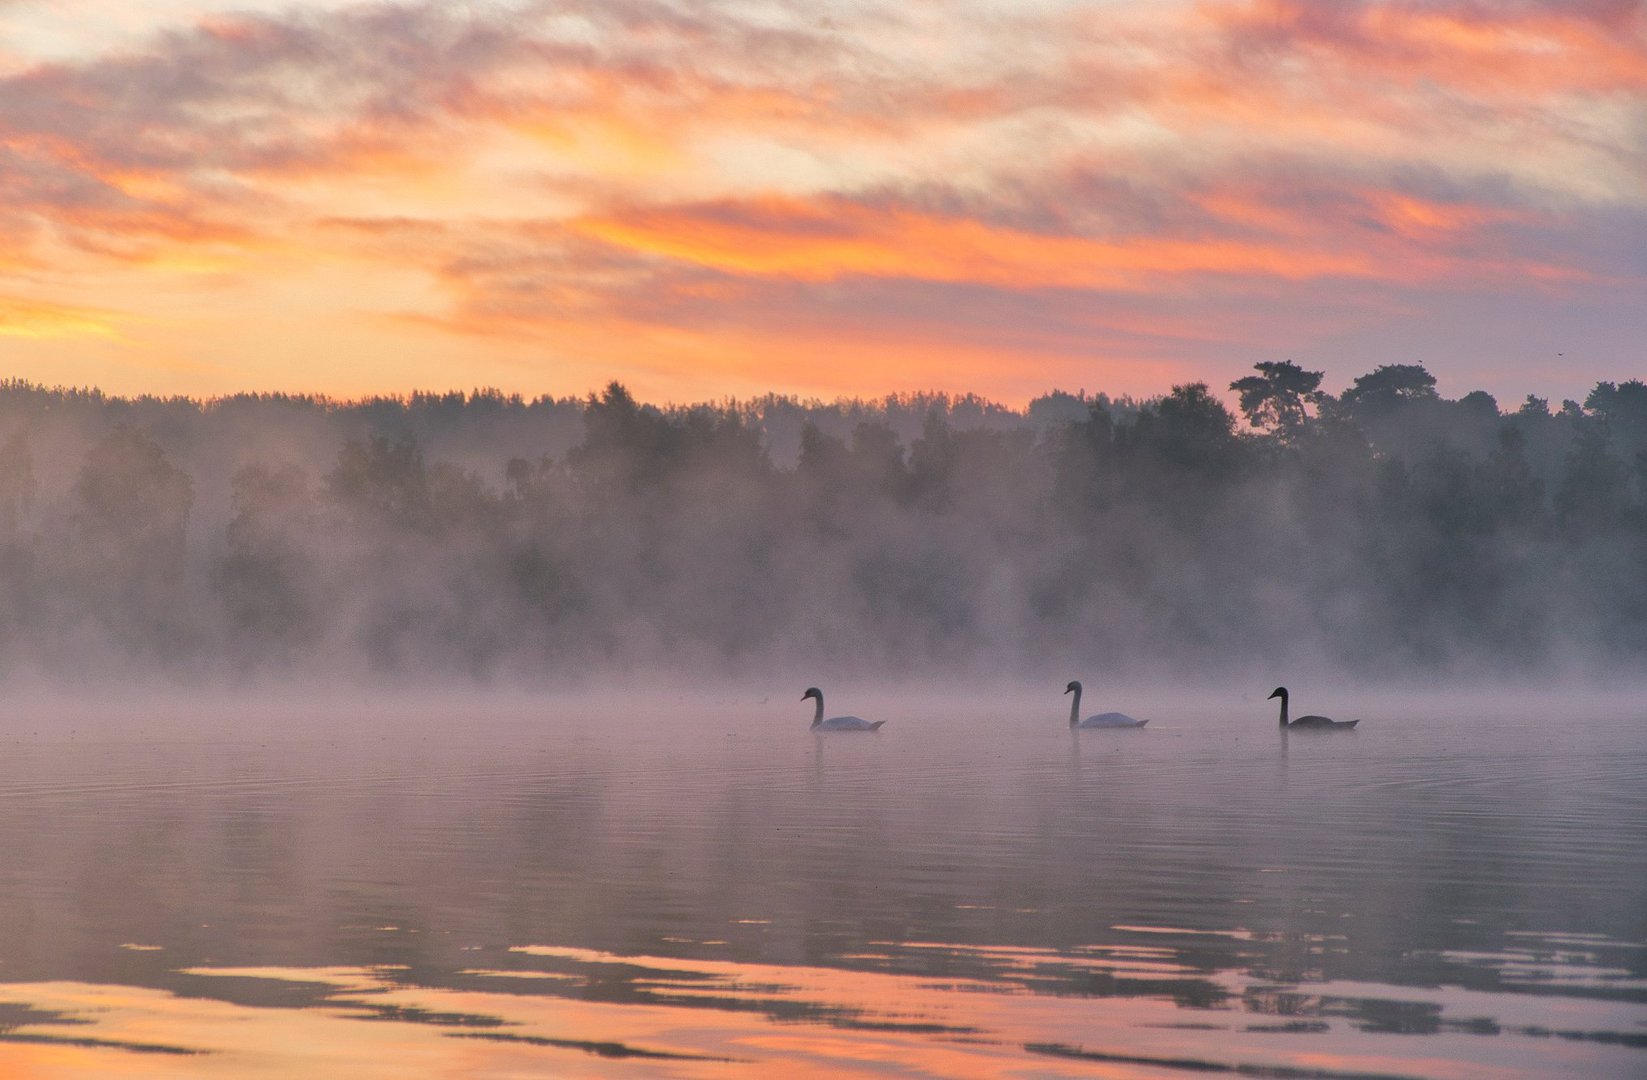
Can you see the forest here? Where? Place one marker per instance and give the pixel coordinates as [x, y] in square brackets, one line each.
[488, 538]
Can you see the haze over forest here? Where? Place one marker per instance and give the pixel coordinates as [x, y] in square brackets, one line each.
[481, 538]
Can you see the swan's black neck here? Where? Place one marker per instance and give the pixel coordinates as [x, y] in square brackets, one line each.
[817, 715]
[1283, 708]
[1075, 708]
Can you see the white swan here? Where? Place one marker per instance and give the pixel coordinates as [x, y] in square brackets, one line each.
[1101, 720]
[1309, 723]
[837, 723]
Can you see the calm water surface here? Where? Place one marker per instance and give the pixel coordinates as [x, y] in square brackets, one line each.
[714, 891]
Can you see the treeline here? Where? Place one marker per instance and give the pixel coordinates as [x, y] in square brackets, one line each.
[483, 536]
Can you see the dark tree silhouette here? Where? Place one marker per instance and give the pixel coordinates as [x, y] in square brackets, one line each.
[265, 577]
[17, 557]
[1279, 397]
[1387, 388]
[1190, 430]
[1592, 492]
[626, 446]
[134, 504]
[17, 486]
[1517, 496]
[475, 535]
[1623, 409]
[384, 479]
[129, 532]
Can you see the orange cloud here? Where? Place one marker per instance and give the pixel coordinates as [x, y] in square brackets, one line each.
[830, 239]
[820, 241]
[32, 319]
[1423, 217]
[1543, 53]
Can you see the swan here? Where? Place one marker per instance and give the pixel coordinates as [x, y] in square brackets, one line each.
[837, 723]
[1309, 723]
[1101, 720]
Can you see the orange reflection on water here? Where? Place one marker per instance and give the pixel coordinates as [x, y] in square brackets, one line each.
[581, 1013]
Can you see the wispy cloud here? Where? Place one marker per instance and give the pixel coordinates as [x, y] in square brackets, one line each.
[21, 318]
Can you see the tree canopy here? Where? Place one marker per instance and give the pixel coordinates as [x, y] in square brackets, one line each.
[486, 536]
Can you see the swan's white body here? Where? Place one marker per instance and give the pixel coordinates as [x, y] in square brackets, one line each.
[837, 723]
[1309, 723]
[1098, 720]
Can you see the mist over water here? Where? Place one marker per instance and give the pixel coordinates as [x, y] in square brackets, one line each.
[1453, 889]
[486, 540]
[465, 733]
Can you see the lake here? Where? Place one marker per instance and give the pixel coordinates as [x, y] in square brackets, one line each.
[695, 887]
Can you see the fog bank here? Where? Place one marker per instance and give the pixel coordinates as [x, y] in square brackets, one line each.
[487, 541]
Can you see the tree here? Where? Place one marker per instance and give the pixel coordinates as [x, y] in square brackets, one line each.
[1279, 397]
[263, 578]
[876, 462]
[1623, 408]
[1084, 474]
[1625, 401]
[1592, 492]
[17, 491]
[1478, 404]
[1517, 495]
[932, 463]
[626, 445]
[129, 530]
[17, 485]
[1191, 429]
[1388, 387]
[383, 478]
[134, 503]
[1058, 407]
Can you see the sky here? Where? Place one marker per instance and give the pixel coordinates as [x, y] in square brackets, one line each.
[711, 198]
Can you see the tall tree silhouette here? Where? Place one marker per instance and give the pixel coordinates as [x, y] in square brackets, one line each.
[266, 579]
[130, 527]
[1279, 397]
[1388, 387]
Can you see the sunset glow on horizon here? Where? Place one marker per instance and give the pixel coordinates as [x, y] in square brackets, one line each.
[702, 200]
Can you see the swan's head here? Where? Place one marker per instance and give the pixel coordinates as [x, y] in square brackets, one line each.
[1280, 692]
[1073, 688]
[812, 692]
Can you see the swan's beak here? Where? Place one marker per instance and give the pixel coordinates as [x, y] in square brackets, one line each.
[1274, 695]
[1069, 689]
